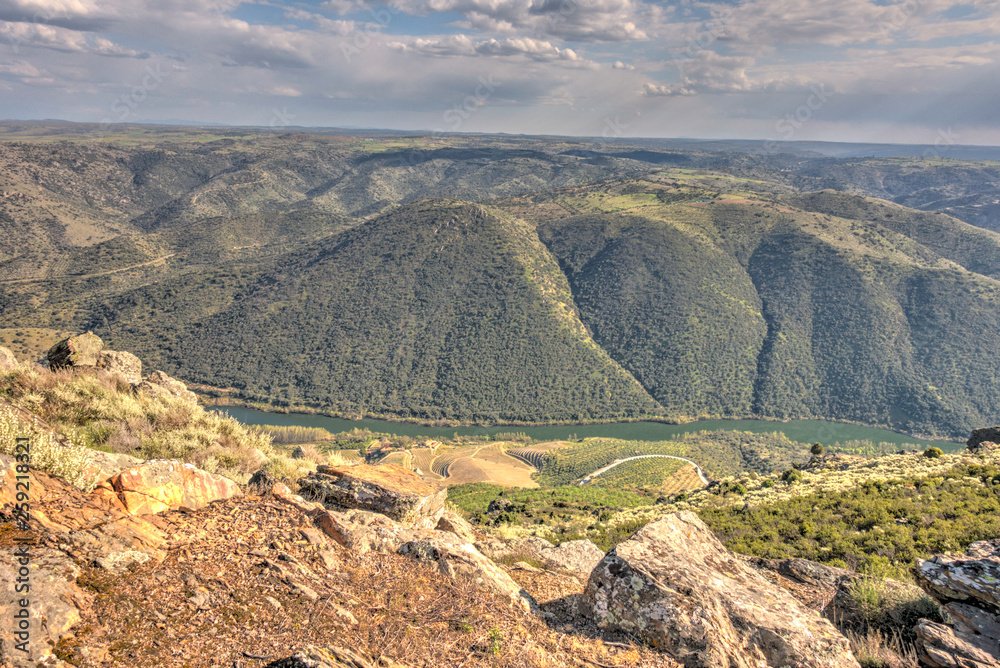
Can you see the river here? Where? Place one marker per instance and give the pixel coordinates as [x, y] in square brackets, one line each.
[803, 431]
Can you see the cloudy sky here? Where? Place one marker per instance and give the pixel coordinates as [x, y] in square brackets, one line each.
[909, 71]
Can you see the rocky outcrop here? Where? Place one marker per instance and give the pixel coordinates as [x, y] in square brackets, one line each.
[81, 350]
[983, 440]
[159, 383]
[452, 523]
[7, 360]
[126, 365]
[158, 485]
[968, 588]
[578, 557]
[674, 586]
[54, 603]
[362, 531]
[389, 490]
[456, 558]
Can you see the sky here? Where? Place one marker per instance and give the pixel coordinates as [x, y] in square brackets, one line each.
[914, 71]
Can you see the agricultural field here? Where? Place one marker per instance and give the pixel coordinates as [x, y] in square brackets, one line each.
[666, 476]
[468, 463]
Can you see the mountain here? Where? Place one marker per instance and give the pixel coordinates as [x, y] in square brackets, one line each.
[489, 278]
[438, 309]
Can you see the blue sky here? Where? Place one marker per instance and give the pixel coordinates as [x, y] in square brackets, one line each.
[915, 71]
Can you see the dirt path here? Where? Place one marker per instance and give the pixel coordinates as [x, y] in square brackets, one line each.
[99, 273]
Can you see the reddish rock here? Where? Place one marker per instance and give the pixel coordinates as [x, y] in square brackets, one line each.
[158, 485]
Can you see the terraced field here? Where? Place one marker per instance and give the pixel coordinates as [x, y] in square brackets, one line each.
[466, 464]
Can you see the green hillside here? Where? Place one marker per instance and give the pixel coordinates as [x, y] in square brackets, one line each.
[440, 309]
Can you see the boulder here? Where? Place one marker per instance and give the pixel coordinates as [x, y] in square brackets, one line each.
[983, 439]
[158, 485]
[456, 558]
[126, 365]
[944, 647]
[55, 602]
[674, 586]
[578, 557]
[79, 350]
[7, 359]
[452, 523]
[362, 531]
[968, 588]
[387, 489]
[159, 383]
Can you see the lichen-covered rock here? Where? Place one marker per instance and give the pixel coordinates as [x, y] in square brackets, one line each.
[674, 586]
[971, 578]
[80, 350]
[578, 557]
[456, 558]
[158, 485]
[944, 647]
[362, 531]
[54, 602]
[452, 523]
[968, 588]
[390, 490]
[159, 383]
[986, 438]
[7, 360]
[126, 365]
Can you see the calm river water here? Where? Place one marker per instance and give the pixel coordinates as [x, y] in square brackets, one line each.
[803, 431]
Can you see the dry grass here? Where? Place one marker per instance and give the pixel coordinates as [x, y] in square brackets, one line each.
[874, 649]
[99, 410]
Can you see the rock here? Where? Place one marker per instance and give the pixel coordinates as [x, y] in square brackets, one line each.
[968, 588]
[7, 359]
[456, 558]
[806, 572]
[388, 489]
[119, 561]
[78, 351]
[578, 557]
[674, 586]
[972, 578]
[126, 365]
[983, 440]
[362, 531]
[944, 647]
[55, 602]
[452, 523]
[159, 383]
[262, 482]
[158, 485]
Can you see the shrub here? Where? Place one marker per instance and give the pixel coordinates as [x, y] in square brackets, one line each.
[933, 453]
[791, 476]
[817, 449]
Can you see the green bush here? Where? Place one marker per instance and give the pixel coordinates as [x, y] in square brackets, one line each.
[933, 453]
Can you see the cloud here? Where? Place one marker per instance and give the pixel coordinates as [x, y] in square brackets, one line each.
[576, 20]
[462, 45]
[34, 35]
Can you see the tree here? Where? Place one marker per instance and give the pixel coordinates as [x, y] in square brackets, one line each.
[817, 449]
